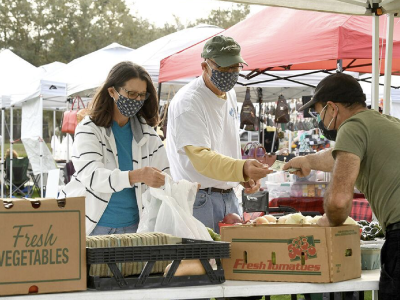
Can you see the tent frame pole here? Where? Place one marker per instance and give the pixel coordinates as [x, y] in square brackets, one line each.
[11, 148]
[375, 63]
[159, 93]
[2, 150]
[54, 133]
[388, 63]
[41, 146]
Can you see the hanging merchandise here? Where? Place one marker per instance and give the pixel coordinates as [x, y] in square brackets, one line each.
[248, 112]
[282, 111]
[164, 120]
[70, 120]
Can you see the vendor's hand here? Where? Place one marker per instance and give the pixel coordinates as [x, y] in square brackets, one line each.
[148, 175]
[251, 186]
[299, 163]
[323, 222]
[255, 170]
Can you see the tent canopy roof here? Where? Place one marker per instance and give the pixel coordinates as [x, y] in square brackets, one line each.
[16, 73]
[89, 71]
[150, 55]
[287, 39]
[351, 7]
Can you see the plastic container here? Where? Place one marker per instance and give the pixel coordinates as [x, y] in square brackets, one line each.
[189, 249]
[370, 256]
[308, 189]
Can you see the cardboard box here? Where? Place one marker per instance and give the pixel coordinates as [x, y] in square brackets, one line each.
[42, 246]
[296, 253]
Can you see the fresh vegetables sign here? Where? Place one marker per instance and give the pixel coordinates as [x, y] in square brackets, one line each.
[302, 248]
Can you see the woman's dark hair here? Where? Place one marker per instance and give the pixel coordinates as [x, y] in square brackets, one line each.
[102, 105]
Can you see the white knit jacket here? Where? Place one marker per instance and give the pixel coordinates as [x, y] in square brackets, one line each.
[97, 174]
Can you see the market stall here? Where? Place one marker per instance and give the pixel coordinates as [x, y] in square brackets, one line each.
[368, 282]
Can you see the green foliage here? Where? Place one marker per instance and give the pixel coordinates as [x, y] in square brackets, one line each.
[43, 31]
[225, 18]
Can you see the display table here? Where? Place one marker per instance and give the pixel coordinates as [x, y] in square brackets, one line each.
[360, 209]
[369, 281]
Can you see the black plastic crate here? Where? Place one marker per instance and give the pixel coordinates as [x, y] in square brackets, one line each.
[189, 249]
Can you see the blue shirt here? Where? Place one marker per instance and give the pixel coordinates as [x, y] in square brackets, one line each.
[122, 209]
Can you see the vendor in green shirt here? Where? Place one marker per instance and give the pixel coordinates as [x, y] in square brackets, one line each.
[366, 155]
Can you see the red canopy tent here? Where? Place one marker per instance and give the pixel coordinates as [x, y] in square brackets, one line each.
[286, 39]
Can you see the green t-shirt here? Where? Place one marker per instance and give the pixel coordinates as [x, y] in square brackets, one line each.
[375, 139]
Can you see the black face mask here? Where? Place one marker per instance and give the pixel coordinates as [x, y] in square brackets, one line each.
[330, 134]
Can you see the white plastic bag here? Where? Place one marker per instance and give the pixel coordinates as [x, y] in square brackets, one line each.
[170, 210]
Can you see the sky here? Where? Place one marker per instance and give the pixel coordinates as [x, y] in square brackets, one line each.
[160, 12]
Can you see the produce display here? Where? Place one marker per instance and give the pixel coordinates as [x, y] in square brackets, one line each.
[215, 236]
[232, 219]
[295, 218]
[188, 267]
[370, 231]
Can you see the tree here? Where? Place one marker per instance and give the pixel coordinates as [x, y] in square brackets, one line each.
[225, 18]
[43, 31]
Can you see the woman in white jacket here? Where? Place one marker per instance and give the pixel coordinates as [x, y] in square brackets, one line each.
[117, 154]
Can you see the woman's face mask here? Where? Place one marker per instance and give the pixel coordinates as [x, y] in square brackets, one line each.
[128, 107]
[224, 81]
[330, 134]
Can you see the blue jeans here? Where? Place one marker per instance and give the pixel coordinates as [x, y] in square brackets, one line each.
[103, 230]
[389, 283]
[211, 207]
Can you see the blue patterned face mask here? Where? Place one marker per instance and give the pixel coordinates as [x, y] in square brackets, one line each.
[128, 107]
[224, 81]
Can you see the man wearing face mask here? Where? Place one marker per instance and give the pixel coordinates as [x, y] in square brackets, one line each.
[365, 155]
[203, 139]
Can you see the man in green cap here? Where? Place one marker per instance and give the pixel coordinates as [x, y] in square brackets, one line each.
[203, 139]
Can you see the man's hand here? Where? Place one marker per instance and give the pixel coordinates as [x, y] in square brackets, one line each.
[251, 187]
[323, 222]
[255, 170]
[299, 163]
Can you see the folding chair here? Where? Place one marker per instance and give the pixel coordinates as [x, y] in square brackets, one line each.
[19, 176]
[38, 169]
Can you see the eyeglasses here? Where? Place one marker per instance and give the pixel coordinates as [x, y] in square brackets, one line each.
[227, 69]
[316, 115]
[135, 95]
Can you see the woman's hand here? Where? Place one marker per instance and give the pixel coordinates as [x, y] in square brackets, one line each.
[148, 175]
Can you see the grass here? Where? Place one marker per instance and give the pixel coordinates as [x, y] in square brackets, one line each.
[19, 147]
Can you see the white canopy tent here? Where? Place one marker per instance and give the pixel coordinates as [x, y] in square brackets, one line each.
[150, 55]
[40, 94]
[89, 71]
[394, 92]
[14, 80]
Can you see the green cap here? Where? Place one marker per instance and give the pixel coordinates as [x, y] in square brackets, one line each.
[223, 50]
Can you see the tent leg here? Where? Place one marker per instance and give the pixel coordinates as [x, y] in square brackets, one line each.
[54, 133]
[41, 167]
[159, 93]
[388, 63]
[375, 63]
[260, 127]
[41, 147]
[11, 148]
[339, 66]
[2, 151]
